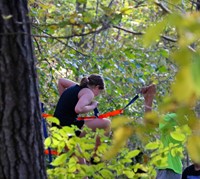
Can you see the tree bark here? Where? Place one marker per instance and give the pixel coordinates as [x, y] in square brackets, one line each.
[21, 143]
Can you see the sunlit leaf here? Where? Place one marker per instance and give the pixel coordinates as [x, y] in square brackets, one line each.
[53, 120]
[107, 173]
[47, 142]
[132, 153]
[129, 173]
[127, 10]
[59, 160]
[152, 145]
[177, 135]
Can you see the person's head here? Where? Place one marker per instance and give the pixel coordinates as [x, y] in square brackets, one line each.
[94, 82]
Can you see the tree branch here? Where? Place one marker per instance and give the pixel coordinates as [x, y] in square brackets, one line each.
[164, 8]
[168, 38]
[128, 31]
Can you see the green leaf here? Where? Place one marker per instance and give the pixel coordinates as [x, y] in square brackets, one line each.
[47, 142]
[177, 136]
[132, 154]
[129, 173]
[152, 145]
[117, 18]
[57, 136]
[61, 159]
[53, 120]
[82, 1]
[107, 173]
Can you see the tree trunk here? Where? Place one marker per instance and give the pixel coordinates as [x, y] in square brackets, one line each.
[21, 145]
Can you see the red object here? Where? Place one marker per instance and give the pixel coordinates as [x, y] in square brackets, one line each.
[111, 114]
[105, 115]
[45, 115]
[52, 152]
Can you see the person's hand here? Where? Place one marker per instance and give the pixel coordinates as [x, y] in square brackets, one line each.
[149, 91]
[94, 103]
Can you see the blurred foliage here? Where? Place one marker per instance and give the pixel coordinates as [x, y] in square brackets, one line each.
[131, 44]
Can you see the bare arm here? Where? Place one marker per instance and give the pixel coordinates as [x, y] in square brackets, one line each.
[85, 102]
[148, 93]
[63, 84]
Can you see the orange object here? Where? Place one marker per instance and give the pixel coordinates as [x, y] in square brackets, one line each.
[52, 152]
[105, 115]
[111, 114]
[45, 115]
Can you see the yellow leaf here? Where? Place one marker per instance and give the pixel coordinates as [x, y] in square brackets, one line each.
[193, 146]
[53, 120]
[182, 57]
[153, 33]
[119, 121]
[151, 119]
[127, 10]
[121, 134]
[119, 139]
[183, 88]
[72, 20]
[44, 6]
[152, 145]
[132, 154]
[177, 135]
[60, 160]
[195, 70]
[47, 142]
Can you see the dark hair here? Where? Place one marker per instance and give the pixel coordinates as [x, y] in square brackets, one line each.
[92, 80]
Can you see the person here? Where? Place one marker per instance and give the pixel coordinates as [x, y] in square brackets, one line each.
[191, 172]
[77, 99]
[173, 170]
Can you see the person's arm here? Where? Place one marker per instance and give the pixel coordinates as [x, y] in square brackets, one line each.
[148, 93]
[63, 84]
[85, 102]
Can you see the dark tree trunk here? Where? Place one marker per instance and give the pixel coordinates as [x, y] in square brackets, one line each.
[21, 145]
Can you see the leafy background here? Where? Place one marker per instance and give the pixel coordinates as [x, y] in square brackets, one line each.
[131, 44]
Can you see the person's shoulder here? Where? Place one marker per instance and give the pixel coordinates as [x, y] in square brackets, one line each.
[86, 91]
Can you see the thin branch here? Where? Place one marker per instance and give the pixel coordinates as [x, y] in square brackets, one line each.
[38, 46]
[164, 8]
[128, 31]
[168, 38]
[50, 36]
[110, 4]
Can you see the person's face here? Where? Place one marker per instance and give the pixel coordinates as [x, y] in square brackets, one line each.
[97, 91]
